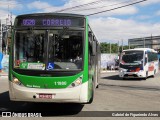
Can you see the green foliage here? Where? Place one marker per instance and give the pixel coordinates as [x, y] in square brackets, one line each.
[105, 47]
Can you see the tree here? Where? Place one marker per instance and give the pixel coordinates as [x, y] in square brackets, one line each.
[105, 47]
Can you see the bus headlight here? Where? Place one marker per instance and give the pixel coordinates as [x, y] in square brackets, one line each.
[77, 82]
[122, 70]
[16, 81]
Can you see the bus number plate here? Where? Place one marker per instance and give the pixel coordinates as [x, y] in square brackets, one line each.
[46, 96]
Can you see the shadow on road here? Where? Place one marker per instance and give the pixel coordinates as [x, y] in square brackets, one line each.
[116, 77]
[46, 109]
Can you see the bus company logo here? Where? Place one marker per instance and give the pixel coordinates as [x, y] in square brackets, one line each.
[151, 67]
[24, 65]
[6, 114]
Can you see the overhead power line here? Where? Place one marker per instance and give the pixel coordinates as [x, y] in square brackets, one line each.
[70, 8]
[116, 8]
[98, 7]
[93, 3]
[82, 5]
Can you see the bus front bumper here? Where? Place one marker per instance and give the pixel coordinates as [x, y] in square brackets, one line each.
[124, 74]
[77, 94]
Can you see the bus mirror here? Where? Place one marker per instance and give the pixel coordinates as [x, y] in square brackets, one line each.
[90, 38]
[90, 34]
[93, 48]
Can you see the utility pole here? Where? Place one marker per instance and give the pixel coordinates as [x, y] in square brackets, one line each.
[118, 46]
[11, 19]
[122, 44]
[144, 42]
[110, 48]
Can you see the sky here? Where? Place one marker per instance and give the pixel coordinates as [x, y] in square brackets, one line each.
[140, 20]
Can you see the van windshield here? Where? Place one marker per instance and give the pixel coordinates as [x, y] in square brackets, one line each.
[132, 57]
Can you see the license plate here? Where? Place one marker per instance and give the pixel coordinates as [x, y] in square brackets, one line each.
[46, 96]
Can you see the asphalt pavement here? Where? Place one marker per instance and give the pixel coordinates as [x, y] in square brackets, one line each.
[114, 95]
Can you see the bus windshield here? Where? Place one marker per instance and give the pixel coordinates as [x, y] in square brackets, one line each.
[60, 49]
[132, 57]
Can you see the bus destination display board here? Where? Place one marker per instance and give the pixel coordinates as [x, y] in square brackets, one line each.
[49, 22]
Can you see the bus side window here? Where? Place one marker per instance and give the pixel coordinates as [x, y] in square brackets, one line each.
[146, 60]
[92, 44]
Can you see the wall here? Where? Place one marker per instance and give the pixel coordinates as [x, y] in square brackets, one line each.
[108, 59]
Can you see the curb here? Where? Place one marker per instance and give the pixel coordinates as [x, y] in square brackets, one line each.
[108, 71]
[3, 74]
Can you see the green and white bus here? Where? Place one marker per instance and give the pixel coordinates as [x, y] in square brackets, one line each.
[55, 57]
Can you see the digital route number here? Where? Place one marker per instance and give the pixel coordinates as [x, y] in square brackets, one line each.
[47, 22]
[28, 22]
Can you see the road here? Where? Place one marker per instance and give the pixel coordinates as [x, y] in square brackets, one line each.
[113, 94]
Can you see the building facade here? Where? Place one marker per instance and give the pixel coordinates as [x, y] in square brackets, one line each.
[145, 42]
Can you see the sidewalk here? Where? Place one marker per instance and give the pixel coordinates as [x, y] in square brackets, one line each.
[3, 74]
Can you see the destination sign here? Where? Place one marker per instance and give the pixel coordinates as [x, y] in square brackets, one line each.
[49, 21]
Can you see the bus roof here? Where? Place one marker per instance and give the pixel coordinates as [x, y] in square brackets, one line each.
[50, 20]
[56, 14]
[142, 49]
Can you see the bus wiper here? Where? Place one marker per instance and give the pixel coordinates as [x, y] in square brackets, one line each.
[65, 29]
